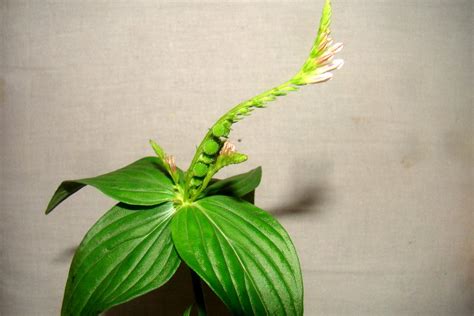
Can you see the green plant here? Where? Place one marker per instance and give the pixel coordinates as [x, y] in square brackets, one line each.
[166, 215]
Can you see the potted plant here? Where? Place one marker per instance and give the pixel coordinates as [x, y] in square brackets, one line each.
[166, 216]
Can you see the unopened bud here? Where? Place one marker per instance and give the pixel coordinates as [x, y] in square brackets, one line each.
[325, 42]
[227, 149]
[328, 55]
[170, 161]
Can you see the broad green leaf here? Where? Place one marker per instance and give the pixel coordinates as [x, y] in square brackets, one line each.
[140, 183]
[242, 253]
[238, 185]
[127, 253]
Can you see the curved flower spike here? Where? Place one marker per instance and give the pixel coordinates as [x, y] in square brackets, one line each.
[317, 68]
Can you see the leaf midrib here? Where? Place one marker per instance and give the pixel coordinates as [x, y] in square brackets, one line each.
[74, 289]
[270, 260]
[238, 258]
[144, 238]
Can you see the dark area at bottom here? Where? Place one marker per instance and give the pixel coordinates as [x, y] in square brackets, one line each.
[171, 299]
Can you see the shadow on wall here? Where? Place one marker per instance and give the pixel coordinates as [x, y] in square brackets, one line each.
[171, 299]
[305, 200]
[311, 189]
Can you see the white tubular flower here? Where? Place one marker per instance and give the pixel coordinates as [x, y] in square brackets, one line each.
[324, 63]
[318, 78]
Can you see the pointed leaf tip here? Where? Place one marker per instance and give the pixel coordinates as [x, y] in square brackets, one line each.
[140, 183]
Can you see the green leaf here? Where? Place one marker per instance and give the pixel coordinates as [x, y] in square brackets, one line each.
[188, 310]
[242, 253]
[238, 185]
[127, 253]
[140, 183]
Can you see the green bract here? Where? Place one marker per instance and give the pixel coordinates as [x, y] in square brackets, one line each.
[166, 216]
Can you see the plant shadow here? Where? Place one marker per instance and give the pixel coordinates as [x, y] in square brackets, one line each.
[305, 200]
[311, 189]
[65, 255]
[170, 300]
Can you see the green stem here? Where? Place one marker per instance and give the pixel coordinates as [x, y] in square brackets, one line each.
[198, 294]
[230, 115]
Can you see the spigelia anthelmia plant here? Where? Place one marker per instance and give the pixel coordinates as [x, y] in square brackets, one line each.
[166, 216]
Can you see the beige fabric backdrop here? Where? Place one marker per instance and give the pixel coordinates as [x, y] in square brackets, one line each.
[372, 173]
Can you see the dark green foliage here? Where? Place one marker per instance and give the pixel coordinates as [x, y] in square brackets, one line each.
[141, 183]
[166, 216]
[242, 253]
[127, 253]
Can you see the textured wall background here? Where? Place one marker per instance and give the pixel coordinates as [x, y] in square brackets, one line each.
[372, 173]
